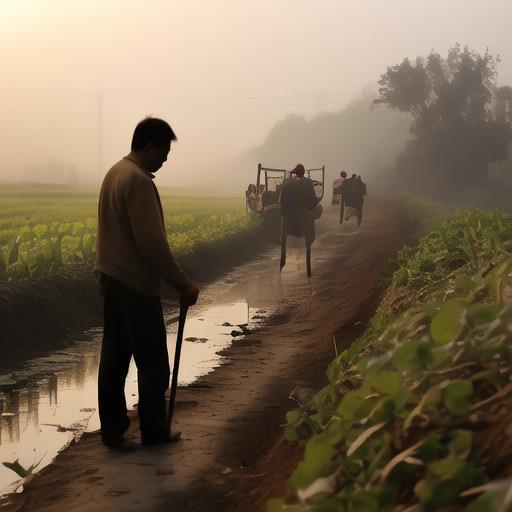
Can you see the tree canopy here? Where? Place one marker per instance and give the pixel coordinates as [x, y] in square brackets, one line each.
[461, 118]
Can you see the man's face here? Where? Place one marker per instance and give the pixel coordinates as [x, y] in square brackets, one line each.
[157, 155]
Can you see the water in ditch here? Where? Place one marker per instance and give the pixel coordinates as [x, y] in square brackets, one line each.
[52, 399]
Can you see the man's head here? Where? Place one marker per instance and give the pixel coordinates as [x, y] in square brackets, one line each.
[151, 142]
[343, 174]
[299, 171]
[354, 175]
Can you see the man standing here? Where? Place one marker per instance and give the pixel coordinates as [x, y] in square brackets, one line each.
[133, 263]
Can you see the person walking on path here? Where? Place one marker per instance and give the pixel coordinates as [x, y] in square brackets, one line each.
[353, 192]
[298, 200]
[133, 265]
[336, 186]
[299, 207]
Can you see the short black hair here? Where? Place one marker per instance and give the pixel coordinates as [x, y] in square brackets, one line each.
[343, 174]
[152, 130]
[299, 170]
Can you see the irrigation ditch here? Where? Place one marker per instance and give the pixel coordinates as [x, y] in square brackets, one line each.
[45, 314]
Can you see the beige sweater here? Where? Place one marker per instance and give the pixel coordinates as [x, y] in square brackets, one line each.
[132, 244]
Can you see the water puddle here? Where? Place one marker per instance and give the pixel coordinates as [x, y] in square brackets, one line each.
[52, 400]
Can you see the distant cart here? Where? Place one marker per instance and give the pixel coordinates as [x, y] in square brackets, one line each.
[263, 196]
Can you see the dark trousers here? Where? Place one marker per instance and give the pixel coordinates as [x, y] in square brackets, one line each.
[359, 213]
[133, 325]
[358, 207]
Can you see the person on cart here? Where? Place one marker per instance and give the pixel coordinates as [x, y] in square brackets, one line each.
[299, 208]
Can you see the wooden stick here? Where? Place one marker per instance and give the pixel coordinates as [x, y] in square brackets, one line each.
[176, 367]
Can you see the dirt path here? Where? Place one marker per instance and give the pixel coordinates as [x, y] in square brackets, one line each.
[232, 456]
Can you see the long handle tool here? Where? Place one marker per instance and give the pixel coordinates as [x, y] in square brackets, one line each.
[175, 370]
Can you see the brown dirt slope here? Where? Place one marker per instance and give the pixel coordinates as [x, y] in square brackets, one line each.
[232, 456]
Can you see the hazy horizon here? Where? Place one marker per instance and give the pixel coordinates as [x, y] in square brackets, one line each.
[78, 76]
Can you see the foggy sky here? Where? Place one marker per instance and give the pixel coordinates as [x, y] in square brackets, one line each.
[222, 72]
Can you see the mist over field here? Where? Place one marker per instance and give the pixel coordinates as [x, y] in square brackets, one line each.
[240, 82]
[338, 345]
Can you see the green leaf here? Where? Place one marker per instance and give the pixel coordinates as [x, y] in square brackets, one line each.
[462, 440]
[384, 411]
[363, 501]
[362, 364]
[401, 397]
[386, 382]
[431, 398]
[295, 416]
[496, 497]
[319, 503]
[412, 356]
[483, 313]
[447, 468]
[464, 284]
[488, 502]
[457, 397]
[492, 376]
[290, 434]
[275, 505]
[437, 494]
[430, 448]
[350, 467]
[353, 406]
[318, 457]
[440, 356]
[445, 326]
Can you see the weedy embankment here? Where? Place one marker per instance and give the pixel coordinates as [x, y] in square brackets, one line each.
[417, 411]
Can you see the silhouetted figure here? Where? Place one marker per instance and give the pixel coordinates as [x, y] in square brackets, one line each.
[298, 201]
[365, 191]
[251, 198]
[336, 188]
[133, 263]
[353, 191]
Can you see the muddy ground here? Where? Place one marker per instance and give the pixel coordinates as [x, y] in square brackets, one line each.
[232, 456]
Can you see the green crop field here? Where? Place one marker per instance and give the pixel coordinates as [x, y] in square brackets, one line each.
[45, 228]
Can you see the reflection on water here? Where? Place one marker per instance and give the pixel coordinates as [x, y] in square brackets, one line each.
[53, 399]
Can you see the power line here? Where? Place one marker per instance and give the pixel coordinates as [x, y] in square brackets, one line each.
[228, 99]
